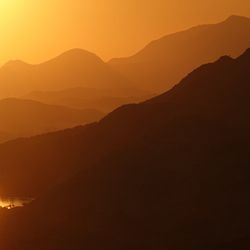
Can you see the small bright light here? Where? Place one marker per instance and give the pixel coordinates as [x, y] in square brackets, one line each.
[12, 203]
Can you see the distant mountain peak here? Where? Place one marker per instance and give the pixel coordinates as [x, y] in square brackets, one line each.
[225, 59]
[237, 18]
[76, 54]
[14, 64]
[77, 51]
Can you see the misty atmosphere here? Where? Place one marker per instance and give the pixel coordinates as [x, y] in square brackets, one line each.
[135, 137]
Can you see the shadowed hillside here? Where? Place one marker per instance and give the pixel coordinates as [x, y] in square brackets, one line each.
[164, 62]
[26, 118]
[105, 100]
[73, 68]
[171, 173]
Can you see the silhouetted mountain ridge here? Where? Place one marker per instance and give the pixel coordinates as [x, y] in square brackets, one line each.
[21, 118]
[215, 81]
[237, 18]
[15, 64]
[170, 173]
[76, 55]
[105, 100]
[73, 68]
[165, 61]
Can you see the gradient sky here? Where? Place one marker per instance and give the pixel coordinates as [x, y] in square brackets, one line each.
[35, 30]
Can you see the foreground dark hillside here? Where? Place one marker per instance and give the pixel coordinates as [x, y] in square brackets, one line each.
[171, 173]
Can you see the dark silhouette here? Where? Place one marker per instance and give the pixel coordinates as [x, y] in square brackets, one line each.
[170, 173]
[164, 62]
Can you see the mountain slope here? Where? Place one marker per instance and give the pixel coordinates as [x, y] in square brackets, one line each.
[105, 100]
[164, 62]
[170, 173]
[26, 118]
[73, 68]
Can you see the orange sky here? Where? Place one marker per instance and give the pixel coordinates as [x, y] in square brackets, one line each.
[35, 30]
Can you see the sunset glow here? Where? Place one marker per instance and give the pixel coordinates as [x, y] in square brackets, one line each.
[124, 124]
[35, 31]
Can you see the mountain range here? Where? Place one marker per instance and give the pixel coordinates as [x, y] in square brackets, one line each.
[169, 173]
[164, 62]
[105, 100]
[157, 67]
[74, 68]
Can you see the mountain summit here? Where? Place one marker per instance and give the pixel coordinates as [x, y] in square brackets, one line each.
[237, 18]
[77, 55]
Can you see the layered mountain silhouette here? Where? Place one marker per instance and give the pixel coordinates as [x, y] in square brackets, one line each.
[164, 62]
[170, 173]
[157, 67]
[105, 100]
[73, 68]
[21, 118]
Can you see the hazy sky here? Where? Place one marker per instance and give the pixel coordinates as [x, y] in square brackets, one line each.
[35, 30]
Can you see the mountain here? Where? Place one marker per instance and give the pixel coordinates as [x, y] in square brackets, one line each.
[26, 118]
[164, 62]
[73, 68]
[105, 100]
[170, 173]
